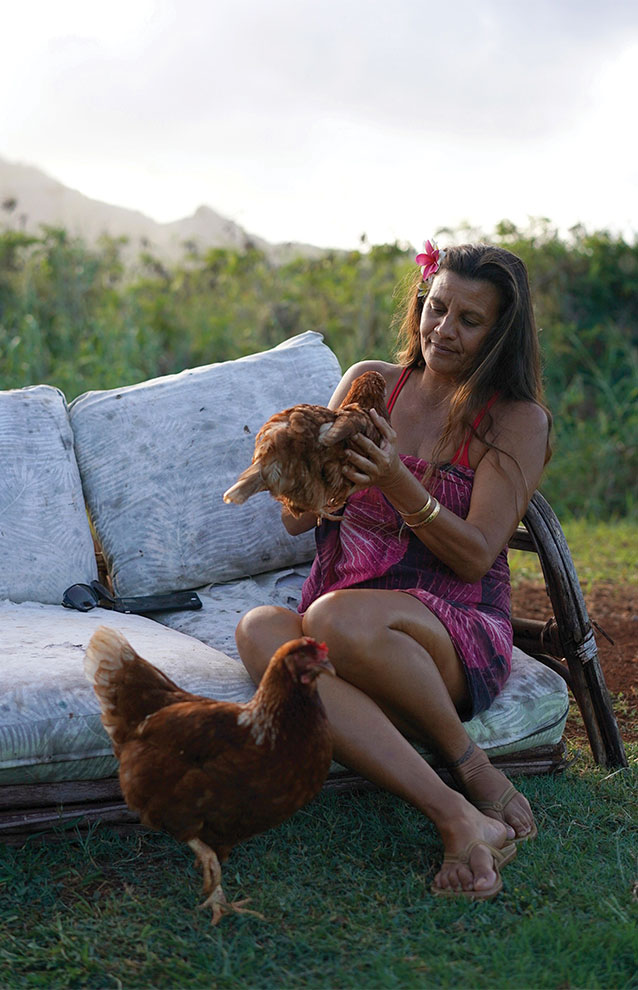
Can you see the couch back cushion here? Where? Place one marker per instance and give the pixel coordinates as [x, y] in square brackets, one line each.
[45, 537]
[155, 459]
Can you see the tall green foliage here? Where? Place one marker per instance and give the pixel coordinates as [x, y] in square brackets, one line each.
[80, 318]
[586, 296]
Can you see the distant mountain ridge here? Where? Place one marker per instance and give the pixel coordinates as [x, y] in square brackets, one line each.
[29, 198]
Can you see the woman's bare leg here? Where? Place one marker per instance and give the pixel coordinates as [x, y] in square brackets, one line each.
[392, 762]
[398, 652]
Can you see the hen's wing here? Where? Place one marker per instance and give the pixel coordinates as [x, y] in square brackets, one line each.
[186, 759]
[199, 769]
[349, 421]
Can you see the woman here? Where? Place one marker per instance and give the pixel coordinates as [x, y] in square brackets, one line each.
[410, 589]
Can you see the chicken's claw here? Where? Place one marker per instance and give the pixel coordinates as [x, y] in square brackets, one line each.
[216, 899]
[220, 906]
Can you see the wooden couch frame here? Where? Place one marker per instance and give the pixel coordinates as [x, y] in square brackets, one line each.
[565, 642]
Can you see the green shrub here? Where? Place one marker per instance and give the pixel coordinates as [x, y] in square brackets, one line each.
[80, 318]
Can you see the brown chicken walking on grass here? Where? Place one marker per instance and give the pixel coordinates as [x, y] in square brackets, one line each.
[213, 773]
[300, 452]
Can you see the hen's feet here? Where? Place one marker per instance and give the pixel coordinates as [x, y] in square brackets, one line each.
[476, 847]
[220, 906]
[216, 900]
[490, 791]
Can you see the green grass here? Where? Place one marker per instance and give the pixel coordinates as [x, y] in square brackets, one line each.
[602, 552]
[344, 890]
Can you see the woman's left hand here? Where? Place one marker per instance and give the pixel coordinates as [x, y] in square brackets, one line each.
[370, 464]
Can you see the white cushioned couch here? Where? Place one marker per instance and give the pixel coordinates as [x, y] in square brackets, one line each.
[150, 463]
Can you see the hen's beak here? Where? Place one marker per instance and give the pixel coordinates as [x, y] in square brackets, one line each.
[322, 666]
[325, 667]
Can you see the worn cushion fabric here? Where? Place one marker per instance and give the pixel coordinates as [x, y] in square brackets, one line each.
[50, 727]
[45, 538]
[155, 459]
[224, 604]
[530, 711]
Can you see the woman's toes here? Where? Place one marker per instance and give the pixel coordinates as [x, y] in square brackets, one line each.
[451, 876]
[478, 874]
[517, 817]
[465, 878]
[482, 863]
[521, 818]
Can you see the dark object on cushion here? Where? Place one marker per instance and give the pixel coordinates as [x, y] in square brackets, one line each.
[84, 597]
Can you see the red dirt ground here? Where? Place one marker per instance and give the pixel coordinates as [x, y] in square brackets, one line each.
[615, 609]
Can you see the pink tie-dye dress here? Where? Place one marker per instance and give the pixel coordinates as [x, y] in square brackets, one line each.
[370, 547]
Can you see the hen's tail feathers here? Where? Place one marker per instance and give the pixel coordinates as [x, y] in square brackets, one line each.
[127, 686]
[109, 648]
[249, 483]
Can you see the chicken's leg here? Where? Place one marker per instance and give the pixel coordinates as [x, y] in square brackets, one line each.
[216, 899]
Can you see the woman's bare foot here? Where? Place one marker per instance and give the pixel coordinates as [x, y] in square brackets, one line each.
[491, 792]
[475, 845]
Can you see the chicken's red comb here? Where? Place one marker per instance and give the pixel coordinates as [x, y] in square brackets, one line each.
[321, 648]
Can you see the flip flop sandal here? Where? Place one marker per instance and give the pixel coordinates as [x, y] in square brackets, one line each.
[501, 858]
[500, 806]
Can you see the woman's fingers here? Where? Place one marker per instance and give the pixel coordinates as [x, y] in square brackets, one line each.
[363, 442]
[382, 425]
[366, 451]
[369, 470]
[358, 461]
[369, 462]
[357, 478]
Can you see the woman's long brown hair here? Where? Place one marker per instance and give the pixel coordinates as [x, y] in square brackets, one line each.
[508, 363]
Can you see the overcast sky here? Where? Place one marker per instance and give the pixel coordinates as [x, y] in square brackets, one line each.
[321, 121]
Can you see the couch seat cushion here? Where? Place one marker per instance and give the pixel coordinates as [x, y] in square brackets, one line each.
[50, 727]
[530, 711]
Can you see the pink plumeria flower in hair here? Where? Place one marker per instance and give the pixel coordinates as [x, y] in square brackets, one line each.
[430, 261]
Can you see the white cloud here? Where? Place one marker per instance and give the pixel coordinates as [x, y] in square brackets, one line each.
[319, 121]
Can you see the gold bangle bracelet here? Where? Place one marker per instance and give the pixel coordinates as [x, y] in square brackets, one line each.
[425, 522]
[413, 518]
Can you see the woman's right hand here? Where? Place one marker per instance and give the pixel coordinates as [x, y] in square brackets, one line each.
[371, 464]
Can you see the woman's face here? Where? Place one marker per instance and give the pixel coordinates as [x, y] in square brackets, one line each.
[458, 314]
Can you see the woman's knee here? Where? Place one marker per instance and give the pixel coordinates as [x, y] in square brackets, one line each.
[260, 632]
[249, 625]
[334, 619]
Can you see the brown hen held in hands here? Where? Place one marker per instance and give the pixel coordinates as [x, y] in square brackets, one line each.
[213, 773]
[300, 452]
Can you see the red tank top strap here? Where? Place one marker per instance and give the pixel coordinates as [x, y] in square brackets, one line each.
[461, 456]
[403, 377]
